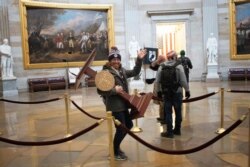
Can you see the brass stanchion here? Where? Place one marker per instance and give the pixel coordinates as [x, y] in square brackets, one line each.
[136, 129]
[66, 98]
[111, 146]
[221, 129]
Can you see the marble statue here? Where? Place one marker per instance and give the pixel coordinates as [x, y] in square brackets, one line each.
[212, 50]
[133, 48]
[6, 59]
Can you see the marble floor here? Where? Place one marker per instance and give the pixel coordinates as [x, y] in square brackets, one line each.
[51, 121]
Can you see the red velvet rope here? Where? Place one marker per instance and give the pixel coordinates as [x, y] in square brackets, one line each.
[30, 102]
[179, 152]
[52, 142]
[83, 111]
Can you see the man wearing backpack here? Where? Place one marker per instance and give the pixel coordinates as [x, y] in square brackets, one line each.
[170, 79]
[186, 63]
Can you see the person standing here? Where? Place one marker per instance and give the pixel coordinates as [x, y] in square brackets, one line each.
[83, 42]
[155, 66]
[6, 59]
[71, 42]
[186, 63]
[113, 101]
[173, 99]
[59, 42]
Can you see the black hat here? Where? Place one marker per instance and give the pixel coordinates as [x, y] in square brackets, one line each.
[182, 53]
[114, 53]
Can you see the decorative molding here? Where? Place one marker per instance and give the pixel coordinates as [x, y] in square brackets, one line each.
[170, 12]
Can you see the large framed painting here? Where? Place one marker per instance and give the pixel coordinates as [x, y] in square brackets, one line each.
[57, 35]
[240, 29]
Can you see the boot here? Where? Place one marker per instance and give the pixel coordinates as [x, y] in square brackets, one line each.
[169, 133]
[177, 131]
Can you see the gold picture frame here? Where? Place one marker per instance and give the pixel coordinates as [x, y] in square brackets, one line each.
[56, 35]
[240, 29]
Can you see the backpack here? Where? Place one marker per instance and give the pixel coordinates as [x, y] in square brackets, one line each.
[168, 80]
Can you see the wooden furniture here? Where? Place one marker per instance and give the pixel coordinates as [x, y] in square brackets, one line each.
[56, 83]
[90, 81]
[86, 70]
[38, 84]
[45, 84]
[239, 74]
[248, 74]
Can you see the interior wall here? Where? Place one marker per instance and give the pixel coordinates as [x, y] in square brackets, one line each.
[144, 28]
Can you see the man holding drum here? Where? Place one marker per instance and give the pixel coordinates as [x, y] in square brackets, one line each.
[113, 101]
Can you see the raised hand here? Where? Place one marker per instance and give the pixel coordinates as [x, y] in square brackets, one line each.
[142, 53]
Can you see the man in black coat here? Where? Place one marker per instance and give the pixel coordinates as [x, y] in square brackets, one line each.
[186, 63]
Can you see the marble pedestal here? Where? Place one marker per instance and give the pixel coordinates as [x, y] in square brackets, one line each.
[212, 73]
[8, 87]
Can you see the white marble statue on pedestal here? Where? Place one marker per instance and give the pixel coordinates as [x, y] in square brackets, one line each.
[212, 46]
[212, 56]
[6, 60]
[134, 47]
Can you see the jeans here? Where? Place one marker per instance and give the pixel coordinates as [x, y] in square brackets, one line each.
[176, 102]
[125, 119]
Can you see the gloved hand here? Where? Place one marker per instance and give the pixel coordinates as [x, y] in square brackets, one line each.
[159, 94]
[187, 94]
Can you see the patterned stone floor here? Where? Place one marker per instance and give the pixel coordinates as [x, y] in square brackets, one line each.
[51, 121]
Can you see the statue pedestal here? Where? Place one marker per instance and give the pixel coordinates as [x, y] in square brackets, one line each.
[8, 87]
[212, 73]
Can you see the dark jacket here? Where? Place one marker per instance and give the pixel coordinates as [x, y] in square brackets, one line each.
[186, 63]
[113, 101]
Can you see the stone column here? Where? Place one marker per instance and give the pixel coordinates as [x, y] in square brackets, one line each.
[8, 86]
[132, 30]
[210, 25]
[131, 23]
[4, 26]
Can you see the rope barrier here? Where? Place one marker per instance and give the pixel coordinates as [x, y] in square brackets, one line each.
[188, 151]
[187, 100]
[30, 102]
[83, 111]
[238, 91]
[199, 97]
[51, 142]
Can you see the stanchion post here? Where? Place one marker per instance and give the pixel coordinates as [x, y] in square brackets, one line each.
[66, 98]
[111, 146]
[136, 129]
[221, 129]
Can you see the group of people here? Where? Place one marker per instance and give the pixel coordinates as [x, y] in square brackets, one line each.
[120, 107]
[85, 41]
